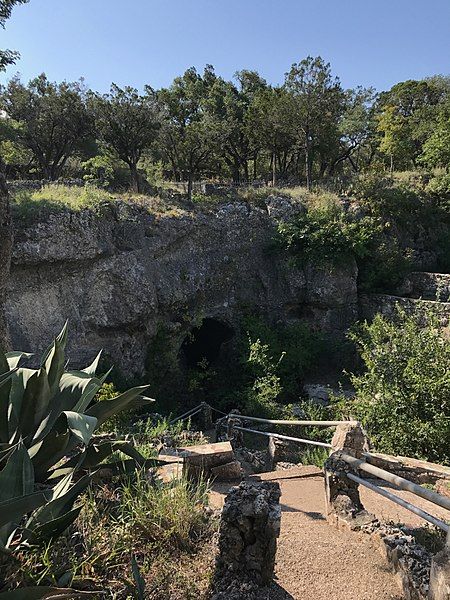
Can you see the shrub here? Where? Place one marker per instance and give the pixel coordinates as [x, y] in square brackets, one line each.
[403, 397]
[328, 234]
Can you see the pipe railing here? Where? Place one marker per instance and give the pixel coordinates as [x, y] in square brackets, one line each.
[401, 484]
[290, 422]
[282, 437]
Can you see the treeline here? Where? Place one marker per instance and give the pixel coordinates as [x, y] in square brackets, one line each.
[202, 126]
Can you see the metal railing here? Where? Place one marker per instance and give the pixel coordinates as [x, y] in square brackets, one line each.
[285, 422]
[398, 483]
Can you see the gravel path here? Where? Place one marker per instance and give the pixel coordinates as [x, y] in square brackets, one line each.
[316, 561]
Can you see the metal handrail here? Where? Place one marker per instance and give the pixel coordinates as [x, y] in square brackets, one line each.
[283, 437]
[287, 422]
[399, 482]
[415, 509]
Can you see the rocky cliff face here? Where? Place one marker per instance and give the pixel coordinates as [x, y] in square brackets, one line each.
[121, 273]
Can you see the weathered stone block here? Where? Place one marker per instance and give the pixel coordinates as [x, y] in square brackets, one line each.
[249, 529]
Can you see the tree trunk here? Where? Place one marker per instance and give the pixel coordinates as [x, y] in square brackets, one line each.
[5, 253]
[134, 179]
[274, 169]
[308, 166]
[190, 185]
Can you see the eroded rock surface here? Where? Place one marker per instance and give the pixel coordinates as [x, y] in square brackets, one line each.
[121, 273]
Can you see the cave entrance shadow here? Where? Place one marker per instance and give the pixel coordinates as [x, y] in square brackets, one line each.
[205, 342]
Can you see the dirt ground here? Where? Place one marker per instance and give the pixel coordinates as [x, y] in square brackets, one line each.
[316, 561]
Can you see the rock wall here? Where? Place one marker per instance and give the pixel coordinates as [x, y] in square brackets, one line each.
[122, 272]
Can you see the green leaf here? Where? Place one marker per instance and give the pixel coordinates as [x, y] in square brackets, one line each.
[82, 426]
[138, 579]
[12, 511]
[97, 453]
[14, 358]
[92, 368]
[35, 403]
[55, 527]
[17, 477]
[108, 408]
[53, 447]
[54, 362]
[5, 389]
[60, 504]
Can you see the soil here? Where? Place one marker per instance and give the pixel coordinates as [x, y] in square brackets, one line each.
[317, 561]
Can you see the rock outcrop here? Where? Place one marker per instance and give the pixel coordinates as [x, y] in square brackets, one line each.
[122, 272]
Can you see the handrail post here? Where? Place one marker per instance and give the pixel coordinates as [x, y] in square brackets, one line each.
[440, 574]
[342, 497]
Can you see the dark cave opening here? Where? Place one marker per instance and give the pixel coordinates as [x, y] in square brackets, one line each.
[205, 342]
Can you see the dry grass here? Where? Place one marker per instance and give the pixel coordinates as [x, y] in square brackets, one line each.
[168, 529]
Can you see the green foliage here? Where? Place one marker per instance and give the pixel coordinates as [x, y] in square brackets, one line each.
[53, 117]
[47, 420]
[403, 397]
[105, 171]
[315, 456]
[125, 525]
[127, 123]
[328, 234]
[31, 206]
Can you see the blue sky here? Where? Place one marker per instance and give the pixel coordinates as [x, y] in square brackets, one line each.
[368, 42]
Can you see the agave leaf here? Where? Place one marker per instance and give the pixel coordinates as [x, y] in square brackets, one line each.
[75, 385]
[89, 393]
[5, 389]
[82, 426]
[13, 358]
[108, 408]
[17, 477]
[16, 480]
[55, 527]
[44, 593]
[12, 510]
[97, 453]
[54, 362]
[35, 403]
[59, 505]
[92, 368]
[61, 338]
[53, 448]
[19, 383]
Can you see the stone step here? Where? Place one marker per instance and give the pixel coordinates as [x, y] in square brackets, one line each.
[428, 286]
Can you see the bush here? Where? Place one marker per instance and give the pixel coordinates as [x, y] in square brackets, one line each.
[328, 234]
[403, 397]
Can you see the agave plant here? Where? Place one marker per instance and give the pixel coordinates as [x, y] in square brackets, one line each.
[48, 417]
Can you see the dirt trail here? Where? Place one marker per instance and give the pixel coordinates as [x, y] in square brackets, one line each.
[316, 561]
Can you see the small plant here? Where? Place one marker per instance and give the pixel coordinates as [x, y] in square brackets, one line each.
[403, 397]
[315, 457]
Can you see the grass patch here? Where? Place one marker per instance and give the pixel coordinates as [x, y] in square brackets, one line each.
[32, 205]
[167, 529]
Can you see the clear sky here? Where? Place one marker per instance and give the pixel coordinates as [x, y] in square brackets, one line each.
[368, 42]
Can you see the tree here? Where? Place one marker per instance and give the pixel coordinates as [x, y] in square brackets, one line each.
[436, 149]
[7, 57]
[407, 115]
[54, 120]
[269, 124]
[357, 129]
[128, 124]
[190, 133]
[318, 105]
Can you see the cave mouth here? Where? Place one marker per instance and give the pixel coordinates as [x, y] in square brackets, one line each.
[205, 342]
